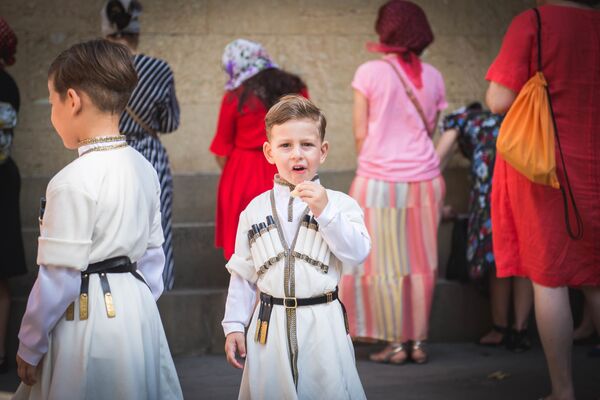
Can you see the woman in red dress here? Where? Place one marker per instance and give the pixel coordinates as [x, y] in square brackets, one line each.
[530, 237]
[255, 84]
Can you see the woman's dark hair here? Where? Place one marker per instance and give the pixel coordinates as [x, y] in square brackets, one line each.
[121, 18]
[474, 106]
[591, 3]
[269, 86]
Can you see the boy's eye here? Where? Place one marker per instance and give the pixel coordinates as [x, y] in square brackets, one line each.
[307, 144]
[284, 145]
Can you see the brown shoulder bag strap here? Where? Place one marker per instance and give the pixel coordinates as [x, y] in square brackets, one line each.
[412, 98]
[141, 123]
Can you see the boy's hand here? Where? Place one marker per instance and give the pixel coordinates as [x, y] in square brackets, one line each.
[27, 372]
[314, 195]
[235, 342]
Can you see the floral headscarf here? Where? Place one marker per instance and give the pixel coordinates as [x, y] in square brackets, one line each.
[242, 59]
[8, 44]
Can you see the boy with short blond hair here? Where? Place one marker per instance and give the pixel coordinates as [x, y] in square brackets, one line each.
[292, 244]
[91, 321]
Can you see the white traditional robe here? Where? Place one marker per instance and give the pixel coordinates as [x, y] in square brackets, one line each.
[102, 205]
[326, 364]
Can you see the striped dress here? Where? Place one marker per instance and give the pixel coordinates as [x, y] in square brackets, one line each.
[399, 187]
[154, 101]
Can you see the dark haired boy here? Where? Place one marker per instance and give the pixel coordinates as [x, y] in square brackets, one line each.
[291, 246]
[91, 329]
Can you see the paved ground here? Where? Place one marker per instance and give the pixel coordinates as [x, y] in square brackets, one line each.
[455, 371]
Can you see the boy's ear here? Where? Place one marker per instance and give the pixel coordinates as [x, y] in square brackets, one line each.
[324, 151]
[267, 151]
[74, 100]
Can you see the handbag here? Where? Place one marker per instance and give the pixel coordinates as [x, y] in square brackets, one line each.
[528, 134]
[412, 98]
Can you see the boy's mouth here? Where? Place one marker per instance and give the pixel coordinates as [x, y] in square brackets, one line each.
[298, 168]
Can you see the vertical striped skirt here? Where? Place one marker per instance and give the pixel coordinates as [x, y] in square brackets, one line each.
[389, 297]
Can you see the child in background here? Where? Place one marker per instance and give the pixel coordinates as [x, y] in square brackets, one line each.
[91, 321]
[291, 245]
[255, 84]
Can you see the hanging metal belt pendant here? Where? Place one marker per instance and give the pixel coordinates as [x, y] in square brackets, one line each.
[70, 314]
[108, 301]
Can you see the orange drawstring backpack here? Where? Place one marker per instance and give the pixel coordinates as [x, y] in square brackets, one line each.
[527, 135]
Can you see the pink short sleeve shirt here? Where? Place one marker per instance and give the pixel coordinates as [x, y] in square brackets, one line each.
[397, 147]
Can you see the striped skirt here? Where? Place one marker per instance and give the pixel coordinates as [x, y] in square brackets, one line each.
[389, 297]
[153, 150]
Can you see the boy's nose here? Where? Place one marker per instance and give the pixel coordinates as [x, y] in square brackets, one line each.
[297, 152]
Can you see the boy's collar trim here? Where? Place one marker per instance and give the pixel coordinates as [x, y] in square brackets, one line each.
[280, 181]
[101, 144]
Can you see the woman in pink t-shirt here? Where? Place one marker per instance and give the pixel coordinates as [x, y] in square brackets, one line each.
[397, 101]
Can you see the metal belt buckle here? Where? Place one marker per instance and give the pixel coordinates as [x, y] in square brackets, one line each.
[294, 302]
[329, 297]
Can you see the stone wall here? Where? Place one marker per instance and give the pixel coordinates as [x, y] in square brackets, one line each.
[321, 40]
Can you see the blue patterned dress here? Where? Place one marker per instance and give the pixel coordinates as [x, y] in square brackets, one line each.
[154, 101]
[477, 134]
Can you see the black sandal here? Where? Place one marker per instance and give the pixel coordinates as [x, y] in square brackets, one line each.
[518, 341]
[500, 329]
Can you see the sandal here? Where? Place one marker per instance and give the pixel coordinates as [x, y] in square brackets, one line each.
[389, 355]
[496, 328]
[518, 341]
[419, 345]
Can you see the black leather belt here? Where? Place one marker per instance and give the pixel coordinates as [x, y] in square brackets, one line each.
[267, 302]
[115, 265]
[293, 302]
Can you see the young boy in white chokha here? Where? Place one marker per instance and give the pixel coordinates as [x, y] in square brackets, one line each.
[91, 329]
[291, 246]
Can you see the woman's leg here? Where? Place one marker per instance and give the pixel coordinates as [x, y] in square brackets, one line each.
[499, 304]
[523, 302]
[4, 312]
[555, 325]
[592, 297]
[586, 326]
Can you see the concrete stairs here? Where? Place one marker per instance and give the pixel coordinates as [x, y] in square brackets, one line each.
[192, 312]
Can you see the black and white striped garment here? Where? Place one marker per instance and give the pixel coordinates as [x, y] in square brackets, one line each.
[154, 101]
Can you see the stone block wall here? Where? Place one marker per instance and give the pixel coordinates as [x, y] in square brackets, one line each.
[321, 40]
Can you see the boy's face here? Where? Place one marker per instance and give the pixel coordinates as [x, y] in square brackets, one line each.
[296, 149]
[63, 112]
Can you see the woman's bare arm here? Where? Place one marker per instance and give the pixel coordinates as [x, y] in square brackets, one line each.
[360, 119]
[499, 98]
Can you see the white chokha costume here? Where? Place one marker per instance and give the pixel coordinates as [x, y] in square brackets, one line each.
[94, 345]
[295, 351]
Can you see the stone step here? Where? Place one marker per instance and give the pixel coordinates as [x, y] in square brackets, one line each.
[195, 195]
[192, 317]
[197, 263]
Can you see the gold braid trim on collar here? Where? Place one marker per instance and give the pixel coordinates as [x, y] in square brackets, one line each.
[291, 186]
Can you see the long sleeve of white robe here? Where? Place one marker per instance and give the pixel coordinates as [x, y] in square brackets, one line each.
[343, 230]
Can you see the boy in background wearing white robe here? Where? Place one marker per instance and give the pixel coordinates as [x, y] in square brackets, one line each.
[291, 246]
[86, 334]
